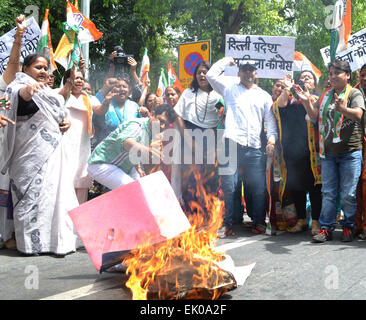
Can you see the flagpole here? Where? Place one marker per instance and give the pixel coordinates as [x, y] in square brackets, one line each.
[85, 8]
[81, 54]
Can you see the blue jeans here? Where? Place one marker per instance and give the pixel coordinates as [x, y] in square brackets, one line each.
[340, 173]
[253, 162]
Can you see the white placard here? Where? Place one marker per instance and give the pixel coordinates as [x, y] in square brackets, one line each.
[274, 55]
[355, 53]
[29, 42]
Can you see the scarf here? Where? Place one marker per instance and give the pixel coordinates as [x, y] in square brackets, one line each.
[88, 106]
[279, 160]
[324, 102]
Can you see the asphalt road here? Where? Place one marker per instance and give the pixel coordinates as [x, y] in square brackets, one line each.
[287, 267]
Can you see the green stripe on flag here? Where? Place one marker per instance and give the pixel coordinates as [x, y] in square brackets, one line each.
[42, 43]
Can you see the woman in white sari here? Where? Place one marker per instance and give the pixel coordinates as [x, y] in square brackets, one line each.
[80, 107]
[42, 188]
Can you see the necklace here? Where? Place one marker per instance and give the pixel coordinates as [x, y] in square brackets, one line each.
[195, 105]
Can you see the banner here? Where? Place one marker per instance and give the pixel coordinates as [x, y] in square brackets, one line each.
[355, 53]
[189, 56]
[274, 55]
[30, 39]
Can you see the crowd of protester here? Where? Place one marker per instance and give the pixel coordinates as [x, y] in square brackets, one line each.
[57, 144]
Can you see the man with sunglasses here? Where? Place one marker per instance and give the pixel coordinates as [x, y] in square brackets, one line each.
[247, 107]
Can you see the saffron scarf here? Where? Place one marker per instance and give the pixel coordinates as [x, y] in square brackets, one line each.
[88, 106]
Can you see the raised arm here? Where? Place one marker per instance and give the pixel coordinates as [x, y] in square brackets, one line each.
[103, 108]
[66, 89]
[285, 94]
[216, 77]
[133, 65]
[14, 58]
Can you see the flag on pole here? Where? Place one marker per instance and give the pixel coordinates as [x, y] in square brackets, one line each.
[44, 45]
[76, 23]
[64, 47]
[173, 79]
[301, 62]
[341, 27]
[145, 68]
[62, 51]
[162, 84]
[87, 29]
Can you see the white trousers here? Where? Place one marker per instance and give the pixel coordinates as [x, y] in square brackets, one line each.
[111, 176]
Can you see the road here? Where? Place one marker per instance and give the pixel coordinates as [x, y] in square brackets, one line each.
[287, 267]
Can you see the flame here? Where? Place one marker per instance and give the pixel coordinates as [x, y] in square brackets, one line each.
[193, 247]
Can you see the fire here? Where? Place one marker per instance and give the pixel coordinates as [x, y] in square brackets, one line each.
[167, 269]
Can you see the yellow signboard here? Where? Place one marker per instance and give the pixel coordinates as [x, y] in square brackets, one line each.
[190, 55]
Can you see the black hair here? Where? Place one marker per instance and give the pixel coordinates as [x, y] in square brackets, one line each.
[30, 59]
[341, 65]
[147, 97]
[363, 67]
[125, 78]
[67, 75]
[175, 88]
[169, 112]
[194, 84]
[298, 76]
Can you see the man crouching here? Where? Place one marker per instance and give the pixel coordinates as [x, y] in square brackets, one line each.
[115, 161]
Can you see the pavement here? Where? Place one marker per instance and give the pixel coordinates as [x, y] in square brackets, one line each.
[287, 267]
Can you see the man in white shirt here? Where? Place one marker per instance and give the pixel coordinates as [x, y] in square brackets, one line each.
[247, 107]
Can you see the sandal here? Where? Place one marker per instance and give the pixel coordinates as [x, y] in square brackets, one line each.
[259, 229]
[362, 235]
[300, 226]
[228, 232]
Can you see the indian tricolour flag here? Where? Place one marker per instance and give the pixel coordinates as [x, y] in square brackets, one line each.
[341, 27]
[44, 45]
[87, 29]
[302, 63]
[173, 79]
[64, 48]
[162, 84]
[76, 23]
[145, 68]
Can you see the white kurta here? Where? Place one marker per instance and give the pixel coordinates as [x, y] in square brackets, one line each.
[6, 225]
[77, 140]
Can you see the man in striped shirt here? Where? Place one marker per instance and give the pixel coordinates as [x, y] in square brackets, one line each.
[117, 160]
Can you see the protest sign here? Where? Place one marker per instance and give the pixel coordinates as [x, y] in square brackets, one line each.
[355, 53]
[190, 55]
[274, 56]
[29, 42]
